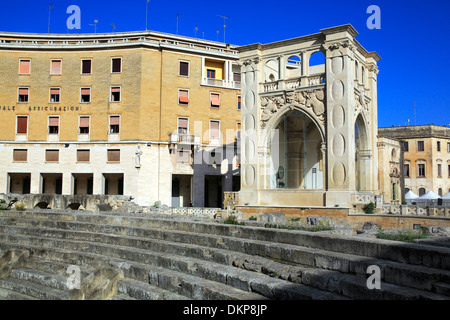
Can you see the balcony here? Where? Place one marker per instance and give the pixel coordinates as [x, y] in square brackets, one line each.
[221, 83]
[184, 138]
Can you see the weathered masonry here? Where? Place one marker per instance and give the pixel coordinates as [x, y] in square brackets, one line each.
[309, 121]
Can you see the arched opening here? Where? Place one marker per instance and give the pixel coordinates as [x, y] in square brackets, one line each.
[317, 63]
[271, 72]
[361, 150]
[422, 191]
[74, 206]
[293, 67]
[298, 162]
[42, 205]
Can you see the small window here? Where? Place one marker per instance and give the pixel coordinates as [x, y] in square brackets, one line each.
[448, 170]
[238, 130]
[86, 66]
[420, 146]
[84, 125]
[115, 94]
[215, 100]
[214, 130]
[439, 170]
[116, 65]
[20, 155]
[24, 67]
[183, 126]
[113, 155]
[55, 95]
[52, 155]
[53, 125]
[406, 146]
[22, 124]
[83, 155]
[114, 124]
[184, 69]
[211, 73]
[239, 102]
[183, 96]
[421, 170]
[23, 95]
[56, 67]
[85, 95]
[438, 146]
[406, 170]
[448, 146]
[422, 191]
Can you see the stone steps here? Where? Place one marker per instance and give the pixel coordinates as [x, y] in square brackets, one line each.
[32, 289]
[176, 258]
[192, 245]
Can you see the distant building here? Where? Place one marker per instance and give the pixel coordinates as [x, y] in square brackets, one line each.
[426, 150]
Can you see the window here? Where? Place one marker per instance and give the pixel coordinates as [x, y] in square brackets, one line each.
[440, 192]
[422, 191]
[24, 66]
[52, 155]
[211, 73]
[55, 95]
[184, 69]
[239, 102]
[215, 100]
[22, 124]
[421, 170]
[438, 146]
[20, 155]
[115, 94]
[183, 126]
[214, 131]
[406, 146]
[448, 146]
[86, 66]
[56, 67]
[183, 96]
[53, 125]
[23, 95]
[420, 146]
[113, 155]
[406, 170]
[439, 170]
[238, 130]
[448, 170]
[84, 125]
[85, 95]
[83, 155]
[114, 124]
[116, 65]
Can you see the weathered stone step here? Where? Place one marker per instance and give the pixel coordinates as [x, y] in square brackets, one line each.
[12, 295]
[231, 276]
[143, 291]
[54, 267]
[121, 297]
[396, 273]
[381, 249]
[43, 278]
[33, 289]
[188, 285]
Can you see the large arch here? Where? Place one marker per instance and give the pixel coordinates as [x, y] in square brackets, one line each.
[296, 158]
[361, 150]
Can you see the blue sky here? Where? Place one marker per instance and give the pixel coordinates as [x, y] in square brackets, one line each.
[413, 41]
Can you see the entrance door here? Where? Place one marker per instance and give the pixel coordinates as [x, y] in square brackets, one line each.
[213, 191]
[26, 185]
[175, 193]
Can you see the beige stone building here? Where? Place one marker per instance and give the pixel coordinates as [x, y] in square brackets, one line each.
[144, 114]
[426, 150]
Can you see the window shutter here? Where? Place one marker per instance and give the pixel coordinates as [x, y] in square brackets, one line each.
[56, 67]
[53, 122]
[84, 122]
[184, 68]
[215, 100]
[22, 124]
[85, 91]
[113, 155]
[25, 66]
[86, 66]
[20, 155]
[55, 91]
[116, 65]
[214, 129]
[83, 155]
[115, 89]
[114, 120]
[23, 91]
[52, 155]
[184, 96]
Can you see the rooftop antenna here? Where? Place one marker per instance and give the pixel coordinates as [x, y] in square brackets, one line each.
[203, 34]
[146, 15]
[114, 27]
[50, 7]
[195, 31]
[217, 35]
[178, 17]
[224, 25]
[94, 25]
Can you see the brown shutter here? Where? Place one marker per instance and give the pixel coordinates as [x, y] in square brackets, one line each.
[214, 129]
[53, 121]
[55, 90]
[184, 96]
[114, 120]
[23, 91]
[184, 68]
[84, 122]
[52, 155]
[20, 155]
[116, 65]
[85, 91]
[83, 155]
[24, 67]
[215, 100]
[22, 124]
[113, 155]
[56, 67]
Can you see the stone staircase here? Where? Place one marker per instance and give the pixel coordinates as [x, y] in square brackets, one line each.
[126, 256]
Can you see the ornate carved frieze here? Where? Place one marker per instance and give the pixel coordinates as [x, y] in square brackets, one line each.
[310, 99]
[339, 44]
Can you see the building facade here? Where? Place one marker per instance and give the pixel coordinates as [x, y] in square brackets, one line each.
[309, 115]
[426, 165]
[143, 114]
